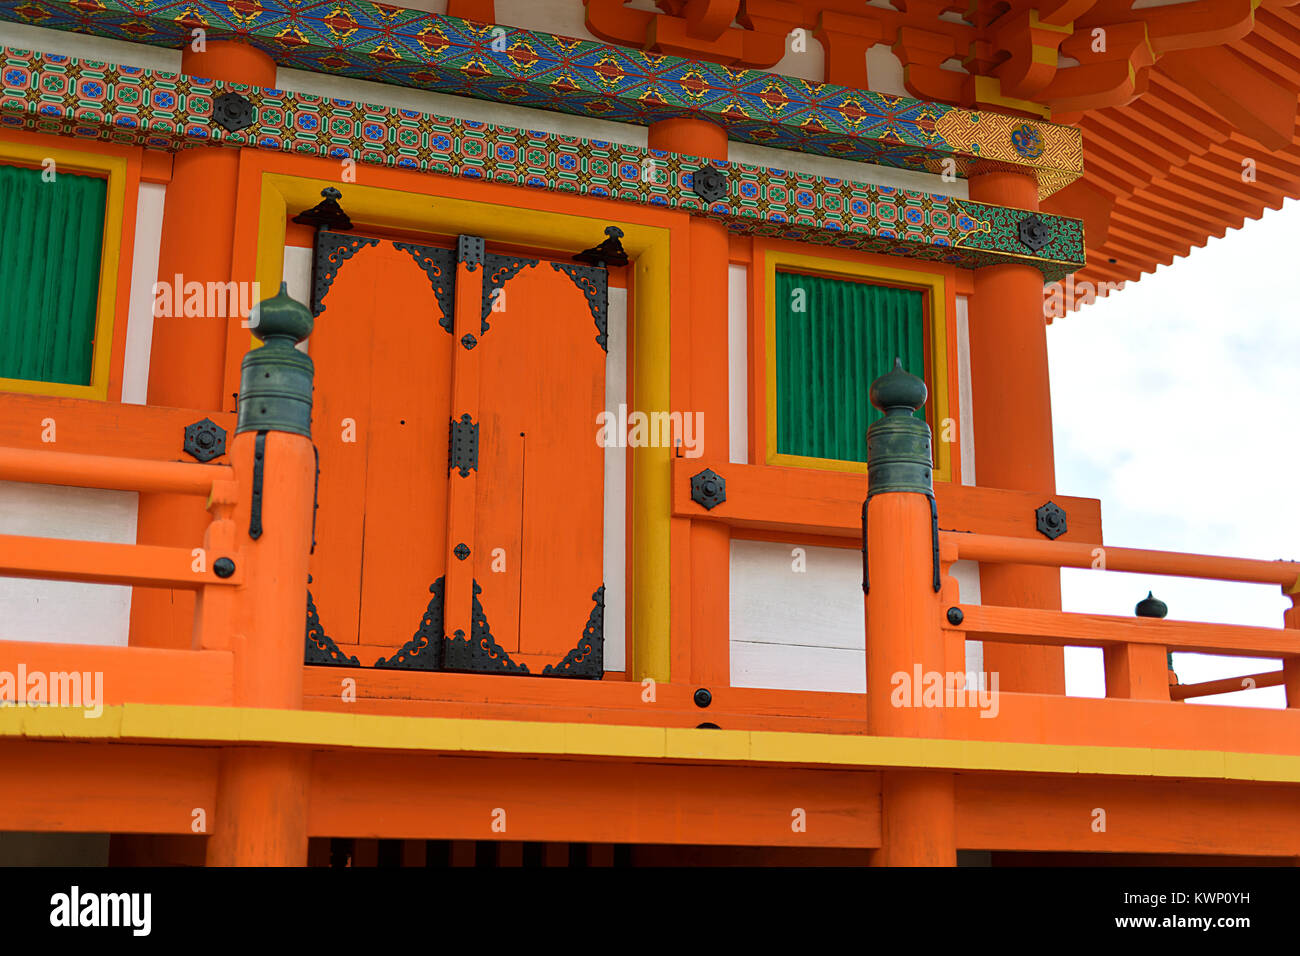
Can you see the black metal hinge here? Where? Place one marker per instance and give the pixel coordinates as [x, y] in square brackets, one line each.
[255, 509]
[462, 446]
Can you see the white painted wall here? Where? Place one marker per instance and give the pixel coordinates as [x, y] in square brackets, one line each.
[144, 273]
[806, 630]
[616, 489]
[966, 413]
[59, 611]
[738, 362]
[846, 169]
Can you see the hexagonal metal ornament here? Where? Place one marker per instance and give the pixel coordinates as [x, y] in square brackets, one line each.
[205, 440]
[1051, 520]
[1035, 231]
[709, 183]
[232, 112]
[708, 488]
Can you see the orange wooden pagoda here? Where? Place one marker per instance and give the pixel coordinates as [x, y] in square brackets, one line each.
[440, 435]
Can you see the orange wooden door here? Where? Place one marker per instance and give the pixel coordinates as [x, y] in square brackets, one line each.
[538, 555]
[383, 350]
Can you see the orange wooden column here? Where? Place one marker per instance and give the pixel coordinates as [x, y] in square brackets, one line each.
[187, 356]
[1013, 429]
[704, 545]
[906, 650]
[261, 814]
[1291, 665]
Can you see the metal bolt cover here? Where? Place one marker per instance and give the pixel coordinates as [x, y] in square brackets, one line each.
[955, 616]
[709, 183]
[461, 551]
[205, 440]
[1051, 520]
[232, 112]
[703, 697]
[708, 488]
[223, 567]
[1035, 231]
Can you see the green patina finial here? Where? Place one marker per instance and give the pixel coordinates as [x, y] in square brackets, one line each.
[898, 445]
[276, 381]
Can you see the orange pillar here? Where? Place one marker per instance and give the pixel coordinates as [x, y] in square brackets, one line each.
[1291, 665]
[187, 357]
[708, 543]
[906, 649]
[261, 814]
[1013, 429]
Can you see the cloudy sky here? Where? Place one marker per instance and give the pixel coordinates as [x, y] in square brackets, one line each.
[1175, 403]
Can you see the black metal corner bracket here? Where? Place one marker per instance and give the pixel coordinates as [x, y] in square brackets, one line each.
[610, 252]
[320, 648]
[205, 440]
[462, 446]
[440, 266]
[479, 653]
[326, 214]
[332, 250]
[497, 271]
[593, 282]
[423, 652]
[587, 659]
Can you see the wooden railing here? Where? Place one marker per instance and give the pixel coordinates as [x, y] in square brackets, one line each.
[1135, 647]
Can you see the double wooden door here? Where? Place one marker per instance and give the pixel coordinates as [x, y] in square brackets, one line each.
[460, 499]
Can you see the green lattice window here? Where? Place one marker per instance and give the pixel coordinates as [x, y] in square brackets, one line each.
[834, 337]
[53, 227]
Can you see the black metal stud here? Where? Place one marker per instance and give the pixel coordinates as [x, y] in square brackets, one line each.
[703, 697]
[1051, 520]
[1151, 606]
[468, 341]
[709, 183]
[708, 488]
[461, 551]
[326, 214]
[205, 440]
[955, 616]
[609, 253]
[223, 567]
[232, 112]
[1035, 231]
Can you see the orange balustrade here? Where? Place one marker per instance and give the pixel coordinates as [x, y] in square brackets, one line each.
[102, 471]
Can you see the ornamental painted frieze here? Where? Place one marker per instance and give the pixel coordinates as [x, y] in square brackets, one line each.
[401, 47]
[167, 111]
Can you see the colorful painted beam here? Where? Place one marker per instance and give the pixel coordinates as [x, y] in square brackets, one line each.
[58, 94]
[387, 44]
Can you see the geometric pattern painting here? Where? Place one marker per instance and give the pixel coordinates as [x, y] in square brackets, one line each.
[170, 111]
[387, 44]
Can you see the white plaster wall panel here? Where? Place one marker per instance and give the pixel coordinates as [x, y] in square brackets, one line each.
[806, 64]
[23, 37]
[966, 413]
[885, 71]
[845, 169]
[967, 574]
[616, 489]
[60, 611]
[297, 275]
[797, 630]
[738, 362]
[566, 18]
[144, 273]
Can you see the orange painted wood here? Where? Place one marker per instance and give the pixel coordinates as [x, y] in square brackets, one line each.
[1070, 554]
[262, 799]
[383, 379]
[1058, 628]
[918, 819]
[1022, 812]
[1138, 671]
[105, 788]
[1228, 685]
[101, 471]
[539, 493]
[142, 675]
[462, 493]
[381, 796]
[100, 562]
[805, 500]
[89, 427]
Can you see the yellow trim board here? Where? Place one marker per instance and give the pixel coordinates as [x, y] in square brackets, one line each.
[143, 723]
[930, 282]
[538, 228]
[114, 169]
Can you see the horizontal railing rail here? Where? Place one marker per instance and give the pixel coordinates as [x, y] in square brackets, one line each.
[1227, 685]
[100, 562]
[116, 474]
